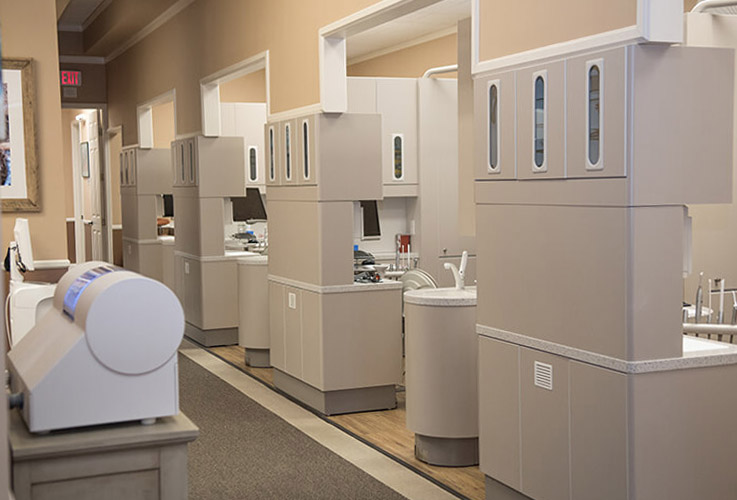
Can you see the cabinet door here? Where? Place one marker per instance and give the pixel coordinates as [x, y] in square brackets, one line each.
[396, 101]
[541, 121]
[306, 132]
[193, 164]
[596, 103]
[495, 150]
[499, 418]
[293, 332]
[273, 165]
[180, 164]
[276, 325]
[544, 422]
[290, 161]
[598, 433]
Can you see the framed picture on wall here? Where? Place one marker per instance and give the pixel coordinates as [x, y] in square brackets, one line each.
[84, 157]
[19, 182]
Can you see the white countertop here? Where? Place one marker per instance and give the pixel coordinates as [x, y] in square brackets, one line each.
[254, 260]
[353, 287]
[441, 297]
[697, 353]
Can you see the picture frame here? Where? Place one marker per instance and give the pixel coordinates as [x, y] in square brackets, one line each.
[84, 157]
[19, 179]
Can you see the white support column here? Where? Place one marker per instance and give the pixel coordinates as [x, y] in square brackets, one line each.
[145, 127]
[210, 98]
[333, 84]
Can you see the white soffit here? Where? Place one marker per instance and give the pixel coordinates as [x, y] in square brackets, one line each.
[431, 22]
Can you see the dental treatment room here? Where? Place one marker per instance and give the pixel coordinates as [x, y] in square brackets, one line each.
[369, 249]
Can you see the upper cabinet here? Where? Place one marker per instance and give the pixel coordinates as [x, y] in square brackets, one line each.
[246, 120]
[273, 154]
[146, 170]
[653, 114]
[216, 166]
[337, 154]
[495, 105]
[596, 114]
[395, 99]
[396, 102]
[541, 121]
[306, 151]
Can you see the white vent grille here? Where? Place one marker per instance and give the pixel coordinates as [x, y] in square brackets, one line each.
[544, 375]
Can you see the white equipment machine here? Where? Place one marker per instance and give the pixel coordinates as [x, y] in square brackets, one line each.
[28, 301]
[105, 352]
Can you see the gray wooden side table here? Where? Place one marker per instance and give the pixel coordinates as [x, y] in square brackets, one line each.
[126, 461]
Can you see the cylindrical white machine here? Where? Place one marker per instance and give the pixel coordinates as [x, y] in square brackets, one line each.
[253, 307]
[105, 352]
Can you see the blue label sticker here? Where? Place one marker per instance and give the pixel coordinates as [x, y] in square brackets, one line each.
[80, 284]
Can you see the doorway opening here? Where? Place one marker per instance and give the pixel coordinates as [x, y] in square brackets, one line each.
[88, 190]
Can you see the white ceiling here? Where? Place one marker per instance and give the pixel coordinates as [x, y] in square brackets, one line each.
[422, 24]
[77, 12]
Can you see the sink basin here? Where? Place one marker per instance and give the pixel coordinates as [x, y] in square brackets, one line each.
[695, 344]
[444, 297]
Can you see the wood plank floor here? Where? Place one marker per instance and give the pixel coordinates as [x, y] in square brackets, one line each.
[384, 429]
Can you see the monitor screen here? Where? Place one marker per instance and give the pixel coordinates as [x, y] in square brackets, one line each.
[249, 207]
[168, 205]
[370, 214]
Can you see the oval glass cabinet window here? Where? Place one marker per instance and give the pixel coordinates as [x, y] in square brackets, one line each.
[398, 157]
[539, 131]
[594, 114]
[493, 127]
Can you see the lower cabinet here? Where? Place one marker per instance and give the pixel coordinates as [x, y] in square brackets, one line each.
[550, 427]
[322, 340]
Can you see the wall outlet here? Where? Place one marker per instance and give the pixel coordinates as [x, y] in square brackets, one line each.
[186, 268]
[292, 300]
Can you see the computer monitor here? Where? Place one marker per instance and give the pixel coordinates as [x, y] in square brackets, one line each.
[168, 205]
[371, 228]
[249, 208]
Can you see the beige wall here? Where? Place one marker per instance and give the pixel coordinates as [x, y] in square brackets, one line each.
[29, 30]
[248, 88]
[507, 27]
[163, 119]
[411, 62]
[210, 35]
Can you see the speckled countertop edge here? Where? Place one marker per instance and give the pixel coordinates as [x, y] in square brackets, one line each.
[354, 287]
[254, 260]
[690, 360]
[423, 297]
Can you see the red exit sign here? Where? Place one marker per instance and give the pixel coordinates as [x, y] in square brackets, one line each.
[71, 78]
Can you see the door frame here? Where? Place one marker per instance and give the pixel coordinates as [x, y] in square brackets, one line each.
[105, 189]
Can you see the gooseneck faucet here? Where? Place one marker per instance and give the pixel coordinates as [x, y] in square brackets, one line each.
[459, 274]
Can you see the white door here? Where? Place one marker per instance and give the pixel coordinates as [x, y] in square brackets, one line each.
[90, 200]
[99, 231]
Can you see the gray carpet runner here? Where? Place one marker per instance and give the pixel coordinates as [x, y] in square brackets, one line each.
[246, 452]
